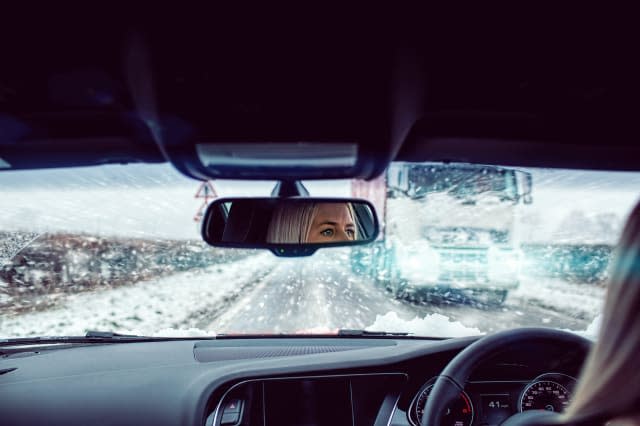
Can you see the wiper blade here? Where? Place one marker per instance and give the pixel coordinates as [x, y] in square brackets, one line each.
[348, 332]
[108, 334]
[372, 333]
[43, 340]
[90, 337]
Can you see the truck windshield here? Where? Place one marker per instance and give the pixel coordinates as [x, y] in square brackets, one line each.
[460, 181]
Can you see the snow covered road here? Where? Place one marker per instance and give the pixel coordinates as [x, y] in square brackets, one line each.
[264, 294]
[306, 295]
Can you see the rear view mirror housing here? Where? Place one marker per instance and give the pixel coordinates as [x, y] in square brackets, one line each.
[289, 227]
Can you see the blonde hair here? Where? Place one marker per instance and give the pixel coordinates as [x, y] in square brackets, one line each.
[291, 222]
[608, 385]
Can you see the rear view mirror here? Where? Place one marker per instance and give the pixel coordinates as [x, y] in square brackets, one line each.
[289, 226]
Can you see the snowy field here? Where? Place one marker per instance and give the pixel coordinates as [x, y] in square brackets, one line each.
[145, 308]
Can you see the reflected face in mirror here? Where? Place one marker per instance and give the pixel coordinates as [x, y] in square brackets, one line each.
[302, 222]
[332, 222]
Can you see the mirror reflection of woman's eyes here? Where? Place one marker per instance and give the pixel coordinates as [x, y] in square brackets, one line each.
[327, 232]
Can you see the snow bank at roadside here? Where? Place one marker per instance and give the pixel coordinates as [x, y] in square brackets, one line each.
[435, 325]
[592, 330]
[174, 332]
[156, 307]
[584, 300]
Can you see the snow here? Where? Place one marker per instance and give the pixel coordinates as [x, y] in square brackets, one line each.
[147, 308]
[185, 304]
[592, 330]
[580, 300]
[173, 332]
[133, 201]
[434, 325]
[134, 212]
[12, 242]
[155, 201]
[437, 325]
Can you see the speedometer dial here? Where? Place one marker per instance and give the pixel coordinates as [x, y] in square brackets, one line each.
[545, 395]
[460, 413]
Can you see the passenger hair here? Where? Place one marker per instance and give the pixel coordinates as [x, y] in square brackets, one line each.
[608, 385]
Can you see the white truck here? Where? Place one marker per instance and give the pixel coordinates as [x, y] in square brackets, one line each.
[460, 239]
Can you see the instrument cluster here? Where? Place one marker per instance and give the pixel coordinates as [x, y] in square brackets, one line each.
[492, 402]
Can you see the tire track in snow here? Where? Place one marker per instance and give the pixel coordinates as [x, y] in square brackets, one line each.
[228, 305]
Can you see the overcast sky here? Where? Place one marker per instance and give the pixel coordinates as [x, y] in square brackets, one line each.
[156, 200]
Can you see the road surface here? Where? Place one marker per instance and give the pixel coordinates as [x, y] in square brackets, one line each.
[319, 294]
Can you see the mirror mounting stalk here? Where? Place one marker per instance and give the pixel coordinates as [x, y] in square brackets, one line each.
[289, 188]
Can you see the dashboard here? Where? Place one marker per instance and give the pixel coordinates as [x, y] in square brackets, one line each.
[277, 381]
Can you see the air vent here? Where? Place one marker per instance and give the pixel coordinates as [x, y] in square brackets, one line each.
[234, 353]
[212, 351]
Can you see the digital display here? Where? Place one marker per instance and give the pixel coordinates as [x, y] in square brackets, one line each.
[495, 408]
[308, 403]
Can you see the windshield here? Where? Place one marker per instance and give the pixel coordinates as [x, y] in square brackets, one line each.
[464, 250]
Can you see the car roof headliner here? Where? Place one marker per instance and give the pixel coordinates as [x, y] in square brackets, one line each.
[522, 91]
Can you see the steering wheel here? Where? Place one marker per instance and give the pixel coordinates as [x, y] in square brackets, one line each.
[453, 378]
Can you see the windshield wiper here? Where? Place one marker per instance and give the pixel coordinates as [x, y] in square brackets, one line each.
[109, 335]
[372, 333]
[348, 332]
[42, 340]
[90, 337]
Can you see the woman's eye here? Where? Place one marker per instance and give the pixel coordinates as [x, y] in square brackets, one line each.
[351, 233]
[327, 232]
